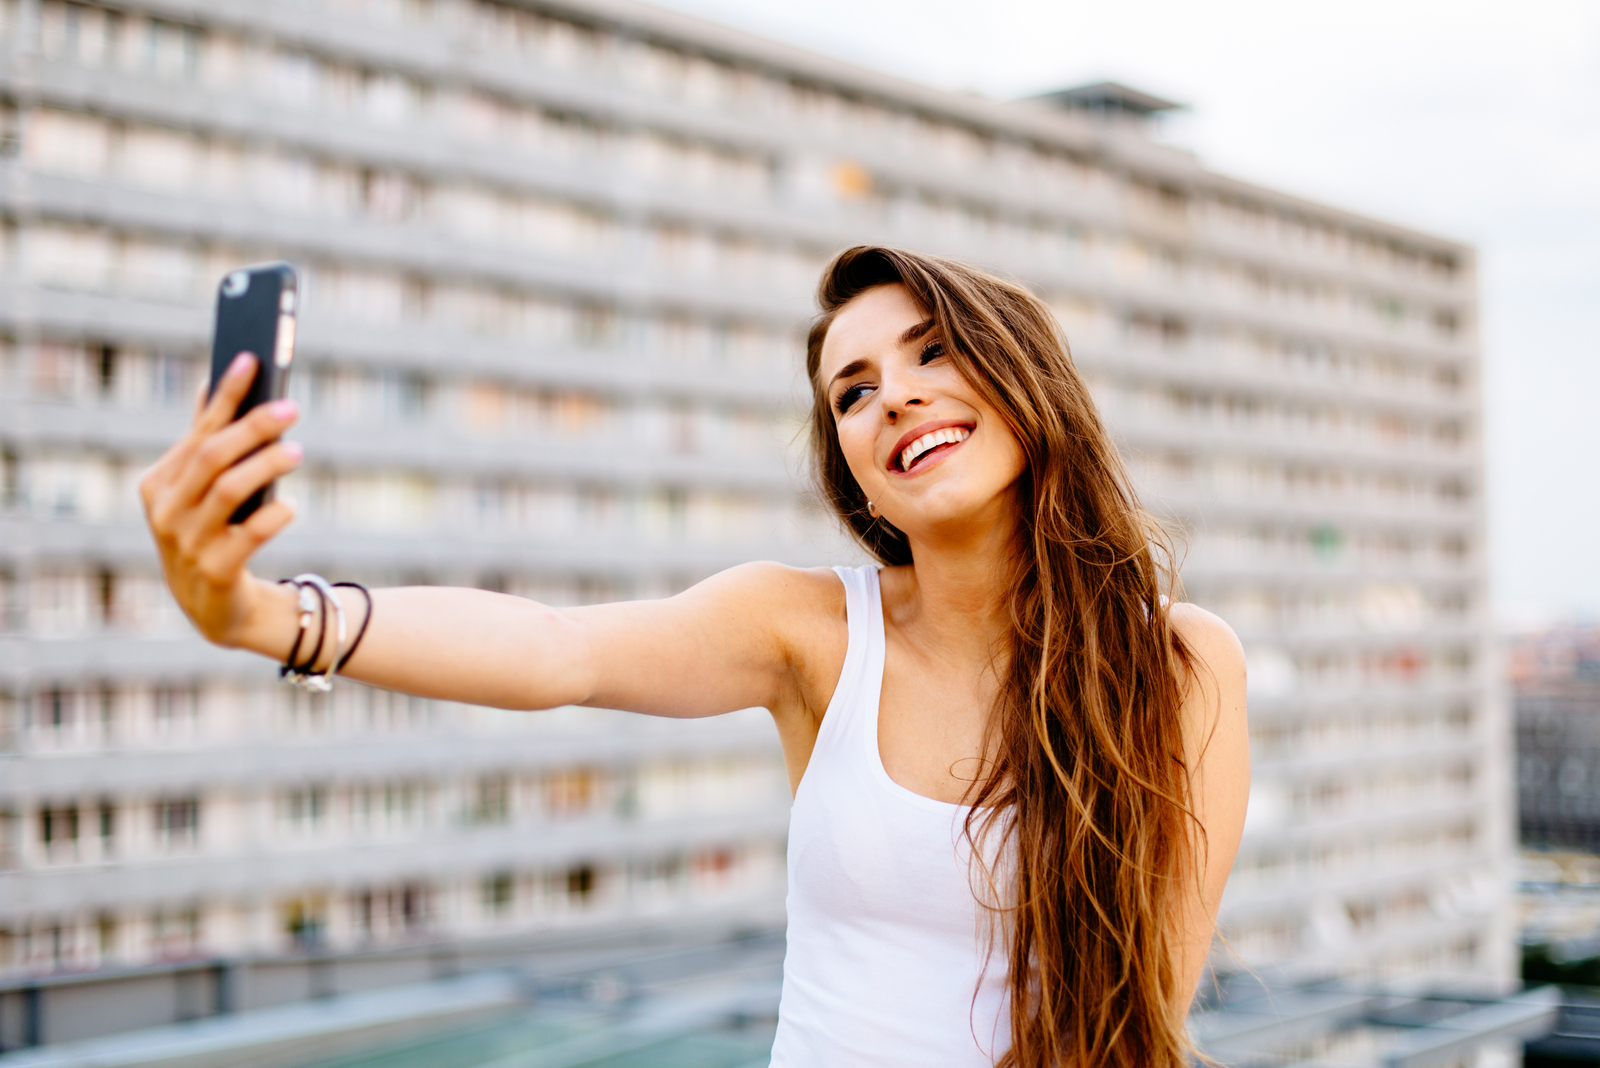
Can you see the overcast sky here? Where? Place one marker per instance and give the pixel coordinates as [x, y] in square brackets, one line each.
[1477, 121]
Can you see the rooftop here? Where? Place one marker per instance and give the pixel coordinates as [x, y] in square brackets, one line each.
[1109, 99]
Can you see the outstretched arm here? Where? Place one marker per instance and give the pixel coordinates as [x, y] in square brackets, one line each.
[720, 646]
[711, 649]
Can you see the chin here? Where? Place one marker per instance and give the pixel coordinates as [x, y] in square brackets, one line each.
[942, 517]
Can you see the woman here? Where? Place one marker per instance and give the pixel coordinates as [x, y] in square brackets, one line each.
[1019, 773]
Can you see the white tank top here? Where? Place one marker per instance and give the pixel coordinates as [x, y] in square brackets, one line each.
[887, 941]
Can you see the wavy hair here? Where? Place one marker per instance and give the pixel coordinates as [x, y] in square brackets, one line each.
[1086, 786]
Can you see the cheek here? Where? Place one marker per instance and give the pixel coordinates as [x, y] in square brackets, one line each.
[1007, 455]
[1019, 459]
[857, 449]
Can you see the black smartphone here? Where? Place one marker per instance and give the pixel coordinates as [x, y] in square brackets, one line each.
[255, 313]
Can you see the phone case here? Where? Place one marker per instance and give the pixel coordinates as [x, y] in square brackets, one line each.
[256, 309]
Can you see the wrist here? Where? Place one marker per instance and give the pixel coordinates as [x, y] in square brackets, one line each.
[268, 622]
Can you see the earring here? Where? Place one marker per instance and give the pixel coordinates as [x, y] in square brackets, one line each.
[872, 510]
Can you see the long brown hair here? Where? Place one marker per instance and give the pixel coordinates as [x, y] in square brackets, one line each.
[1087, 786]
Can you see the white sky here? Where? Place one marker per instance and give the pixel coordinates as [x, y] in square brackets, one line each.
[1477, 121]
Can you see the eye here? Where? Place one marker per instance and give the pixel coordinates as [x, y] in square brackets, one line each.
[848, 398]
[932, 351]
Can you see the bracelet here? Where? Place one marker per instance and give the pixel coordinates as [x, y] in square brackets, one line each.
[322, 681]
[307, 601]
[303, 670]
[361, 632]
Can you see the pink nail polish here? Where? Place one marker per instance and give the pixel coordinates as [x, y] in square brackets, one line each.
[241, 363]
[282, 409]
[294, 449]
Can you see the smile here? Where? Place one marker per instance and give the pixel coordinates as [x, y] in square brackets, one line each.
[921, 449]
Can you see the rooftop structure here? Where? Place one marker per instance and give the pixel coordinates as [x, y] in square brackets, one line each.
[1109, 100]
[558, 258]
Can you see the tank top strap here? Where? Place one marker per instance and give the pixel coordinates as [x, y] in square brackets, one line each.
[854, 705]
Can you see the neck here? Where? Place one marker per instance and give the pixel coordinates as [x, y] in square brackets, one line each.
[957, 588]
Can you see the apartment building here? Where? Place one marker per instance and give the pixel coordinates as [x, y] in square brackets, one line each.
[558, 262]
[1555, 683]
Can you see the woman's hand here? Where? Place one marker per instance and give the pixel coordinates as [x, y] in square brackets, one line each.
[192, 490]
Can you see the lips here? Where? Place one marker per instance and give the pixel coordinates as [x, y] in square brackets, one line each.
[916, 447]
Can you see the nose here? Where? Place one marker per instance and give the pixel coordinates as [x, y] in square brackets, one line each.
[901, 394]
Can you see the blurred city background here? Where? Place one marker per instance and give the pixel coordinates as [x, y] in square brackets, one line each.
[558, 260]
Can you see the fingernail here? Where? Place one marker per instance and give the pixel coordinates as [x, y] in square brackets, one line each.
[241, 363]
[282, 409]
[294, 449]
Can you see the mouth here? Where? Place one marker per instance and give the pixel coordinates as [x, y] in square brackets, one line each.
[925, 444]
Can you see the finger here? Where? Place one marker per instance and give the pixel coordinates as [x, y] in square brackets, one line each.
[222, 449]
[231, 552]
[159, 474]
[153, 480]
[187, 508]
[218, 411]
[209, 415]
[155, 477]
[235, 485]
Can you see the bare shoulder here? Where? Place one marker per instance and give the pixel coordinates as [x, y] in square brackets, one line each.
[1211, 640]
[795, 606]
[779, 588]
[1215, 687]
[802, 611]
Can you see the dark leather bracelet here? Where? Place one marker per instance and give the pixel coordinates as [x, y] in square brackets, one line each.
[360, 631]
[302, 622]
[291, 670]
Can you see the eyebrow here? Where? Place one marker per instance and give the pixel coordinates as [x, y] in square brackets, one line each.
[855, 367]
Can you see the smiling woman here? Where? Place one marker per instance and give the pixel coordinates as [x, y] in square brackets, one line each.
[1094, 734]
[1019, 771]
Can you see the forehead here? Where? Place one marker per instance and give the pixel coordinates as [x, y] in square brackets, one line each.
[870, 325]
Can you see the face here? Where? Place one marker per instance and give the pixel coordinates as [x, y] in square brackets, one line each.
[926, 449]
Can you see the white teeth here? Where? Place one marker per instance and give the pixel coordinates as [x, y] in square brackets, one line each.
[949, 435]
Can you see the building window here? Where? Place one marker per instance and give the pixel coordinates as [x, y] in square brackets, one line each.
[79, 33]
[55, 710]
[306, 809]
[106, 935]
[177, 711]
[499, 892]
[171, 50]
[11, 497]
[492, 803]
[107, 700]
[178, 822]
[571, 791]
[10, 828]
[393, 912]
[581, 884]
[58, 832]
[306, 923]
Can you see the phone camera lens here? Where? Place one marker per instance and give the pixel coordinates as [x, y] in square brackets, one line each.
[235, 284]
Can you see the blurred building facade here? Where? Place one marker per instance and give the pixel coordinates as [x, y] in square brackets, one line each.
[559, 257]
[1555, 685]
